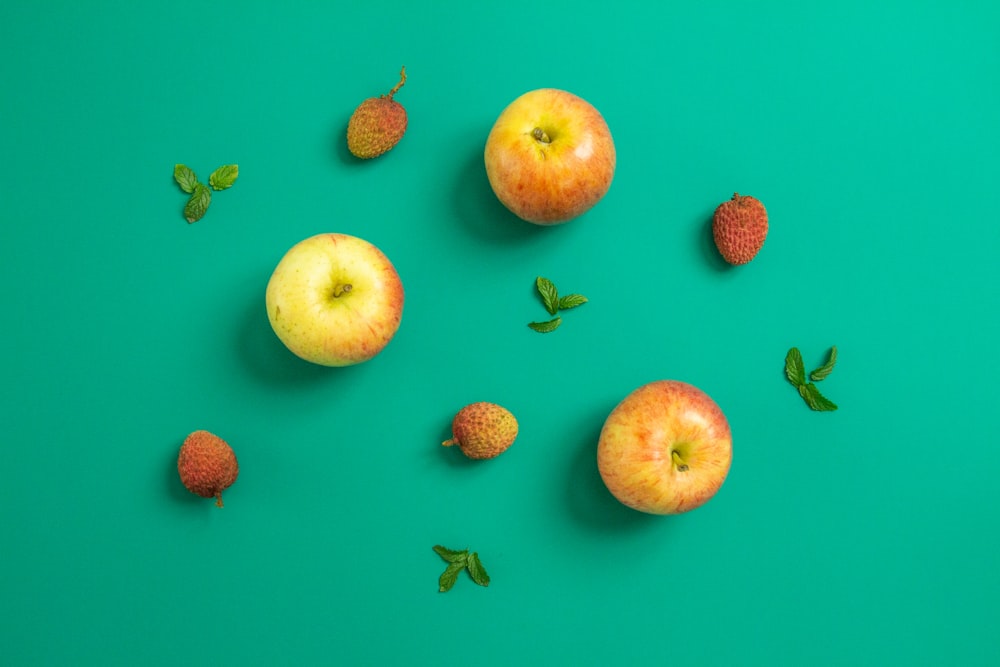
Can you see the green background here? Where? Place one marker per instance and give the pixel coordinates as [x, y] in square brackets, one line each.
[867, 536]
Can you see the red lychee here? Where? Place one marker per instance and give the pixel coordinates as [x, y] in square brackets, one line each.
[207, 465]
[739, 227]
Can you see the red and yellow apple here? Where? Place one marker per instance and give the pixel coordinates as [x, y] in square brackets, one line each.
[335, 300]
[665, 449]
[550, 156]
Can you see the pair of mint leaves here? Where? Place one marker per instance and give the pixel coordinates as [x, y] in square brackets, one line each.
[795, 371]
[201, 194]
[458, 561]
[554, 303]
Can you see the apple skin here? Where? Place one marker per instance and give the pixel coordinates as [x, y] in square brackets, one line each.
[319, 320]
[651, 436]
[554, 181]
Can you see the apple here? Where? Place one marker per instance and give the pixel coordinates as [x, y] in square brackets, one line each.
[550, 156]
[335, 300]
[665, 449]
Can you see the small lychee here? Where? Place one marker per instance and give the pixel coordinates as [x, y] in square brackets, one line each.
[483, 430]
[739, 227]
[377, 124]
[207, 465]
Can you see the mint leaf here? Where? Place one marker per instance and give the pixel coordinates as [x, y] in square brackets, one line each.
[449, 576]
[185, 178]
[198, 203]
[816, 400]
[550, 296]
[451, 555]
[477, 571]
[571, 301]
[795, 370]
[546, 327]
[224, 177]
[824, 370]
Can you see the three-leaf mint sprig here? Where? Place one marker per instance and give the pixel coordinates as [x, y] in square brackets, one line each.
[554, 303]
[201, 194]
[458, 561]
[795, 371]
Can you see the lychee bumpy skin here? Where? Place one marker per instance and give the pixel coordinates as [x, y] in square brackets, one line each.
[739, 228]
[207, 465]
[483, 430]
[377, 124]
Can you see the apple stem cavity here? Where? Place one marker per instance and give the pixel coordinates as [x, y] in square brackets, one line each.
[540, 135]
[678, 461]
[341, 290]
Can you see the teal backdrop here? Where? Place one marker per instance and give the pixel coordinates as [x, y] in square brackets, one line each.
[865, 536]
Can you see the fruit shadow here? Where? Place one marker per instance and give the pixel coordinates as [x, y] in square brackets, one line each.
[478, 208]
[270, 361]
[588, 499]
[706, 244]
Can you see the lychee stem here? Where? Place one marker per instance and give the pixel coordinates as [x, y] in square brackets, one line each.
[540, 135]
[218, 499]
[402, 80]
[678, 461]
[450, 442]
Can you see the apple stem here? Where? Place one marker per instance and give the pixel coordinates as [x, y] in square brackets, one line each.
[341, 290]
[402, 80]
[678, 461]
[540, 135]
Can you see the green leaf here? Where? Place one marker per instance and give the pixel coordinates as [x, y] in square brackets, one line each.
[198, 203]
[571, 301]
[816, 400]
[824, 370]
[546, 327]
[185, 178]
[477, 571]
[550, 296]
[449, 576]
[451, 555]
[224, 176]
[795, 371]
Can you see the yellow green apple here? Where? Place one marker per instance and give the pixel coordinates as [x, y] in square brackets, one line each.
[550, 156]
[665, 449]
[335, 300]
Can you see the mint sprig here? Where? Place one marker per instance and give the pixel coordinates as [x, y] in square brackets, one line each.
[201, 196]
[549, 294]
[827, 368]
[459, 560]
[200, 199]
[224, 177]
[185, 178]
[795, 371]
[553, 304]
[814, 399]
[546, 327]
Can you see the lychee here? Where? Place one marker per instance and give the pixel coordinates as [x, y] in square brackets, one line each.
[207, 465]
[377, 124]
[483, 430]
[739, 227]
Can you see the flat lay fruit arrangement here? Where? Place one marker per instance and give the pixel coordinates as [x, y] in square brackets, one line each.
[560, 333]
[337, 300]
